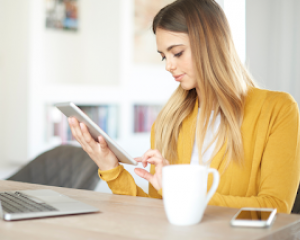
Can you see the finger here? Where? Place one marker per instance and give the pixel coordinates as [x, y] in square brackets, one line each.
[148, 154]
[144, 174]
[76, 128]
[138, 159]
[77, 133]
[103, 144]
[151, 153]
[144, 162]
[87, 136]
[156, 161]
[72, 123]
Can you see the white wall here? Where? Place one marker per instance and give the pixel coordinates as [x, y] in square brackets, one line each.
[89, 56]
[257, 44]
[235, 13]
[2, 97]
[221, 2]
[14, 79]
[273, 44]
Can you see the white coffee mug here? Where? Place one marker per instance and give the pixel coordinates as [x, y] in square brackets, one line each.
[185, 194]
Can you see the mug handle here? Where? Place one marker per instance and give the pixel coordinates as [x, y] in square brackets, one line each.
[215, 184]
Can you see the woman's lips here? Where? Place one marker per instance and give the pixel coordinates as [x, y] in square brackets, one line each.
[178, 77]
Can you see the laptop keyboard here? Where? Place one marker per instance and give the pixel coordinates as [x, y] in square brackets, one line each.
[20, 203]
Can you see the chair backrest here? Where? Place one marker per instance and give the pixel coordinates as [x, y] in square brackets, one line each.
[62, 166]
[296, 207]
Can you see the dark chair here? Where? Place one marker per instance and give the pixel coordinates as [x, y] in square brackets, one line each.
[63, 166]
[296, 207]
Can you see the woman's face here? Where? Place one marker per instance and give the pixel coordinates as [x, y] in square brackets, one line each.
[175, 49]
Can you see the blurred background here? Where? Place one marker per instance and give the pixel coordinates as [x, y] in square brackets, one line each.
[102, 56]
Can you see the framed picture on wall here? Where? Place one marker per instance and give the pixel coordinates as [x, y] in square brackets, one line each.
[145, 51]
[62, 14]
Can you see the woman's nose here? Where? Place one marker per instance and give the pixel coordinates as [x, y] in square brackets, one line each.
[170, 66]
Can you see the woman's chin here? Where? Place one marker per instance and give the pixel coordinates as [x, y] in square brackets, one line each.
[186, 86]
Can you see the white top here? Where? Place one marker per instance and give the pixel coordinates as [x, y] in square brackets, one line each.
[210, 133]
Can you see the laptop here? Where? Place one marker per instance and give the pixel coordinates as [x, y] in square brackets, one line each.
[26, 204]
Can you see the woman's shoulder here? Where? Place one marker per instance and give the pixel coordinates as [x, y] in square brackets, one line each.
[267, 103]
[259, 97]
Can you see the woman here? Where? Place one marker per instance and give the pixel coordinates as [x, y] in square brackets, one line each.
[250, 135]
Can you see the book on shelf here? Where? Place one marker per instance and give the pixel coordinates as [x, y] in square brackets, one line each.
[105, 116]
[144, 117]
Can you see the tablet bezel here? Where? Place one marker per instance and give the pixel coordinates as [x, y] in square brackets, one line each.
[69, 109]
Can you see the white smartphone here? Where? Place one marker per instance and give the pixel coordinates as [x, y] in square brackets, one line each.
[254, 217]
[69, 109]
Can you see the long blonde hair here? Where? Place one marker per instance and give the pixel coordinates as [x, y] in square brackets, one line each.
[221, 77]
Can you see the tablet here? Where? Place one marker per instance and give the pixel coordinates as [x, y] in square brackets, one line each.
[69, 109]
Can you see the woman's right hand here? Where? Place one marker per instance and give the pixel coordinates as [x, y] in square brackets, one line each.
[98, 151]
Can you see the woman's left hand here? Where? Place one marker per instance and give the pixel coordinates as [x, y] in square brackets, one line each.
[153, 157]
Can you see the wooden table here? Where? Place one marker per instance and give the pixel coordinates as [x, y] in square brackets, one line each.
[125, 217]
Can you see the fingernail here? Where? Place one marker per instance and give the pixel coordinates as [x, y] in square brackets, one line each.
[81, 125]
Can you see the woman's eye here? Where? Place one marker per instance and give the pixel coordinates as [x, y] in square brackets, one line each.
[178, 54]
[163, 58]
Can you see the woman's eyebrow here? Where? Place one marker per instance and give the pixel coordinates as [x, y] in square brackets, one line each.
[169, 48]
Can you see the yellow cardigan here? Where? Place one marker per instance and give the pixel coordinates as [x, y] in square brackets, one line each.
[270, 175]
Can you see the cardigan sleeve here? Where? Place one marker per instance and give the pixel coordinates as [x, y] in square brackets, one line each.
[280, 165]
[120, 181]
